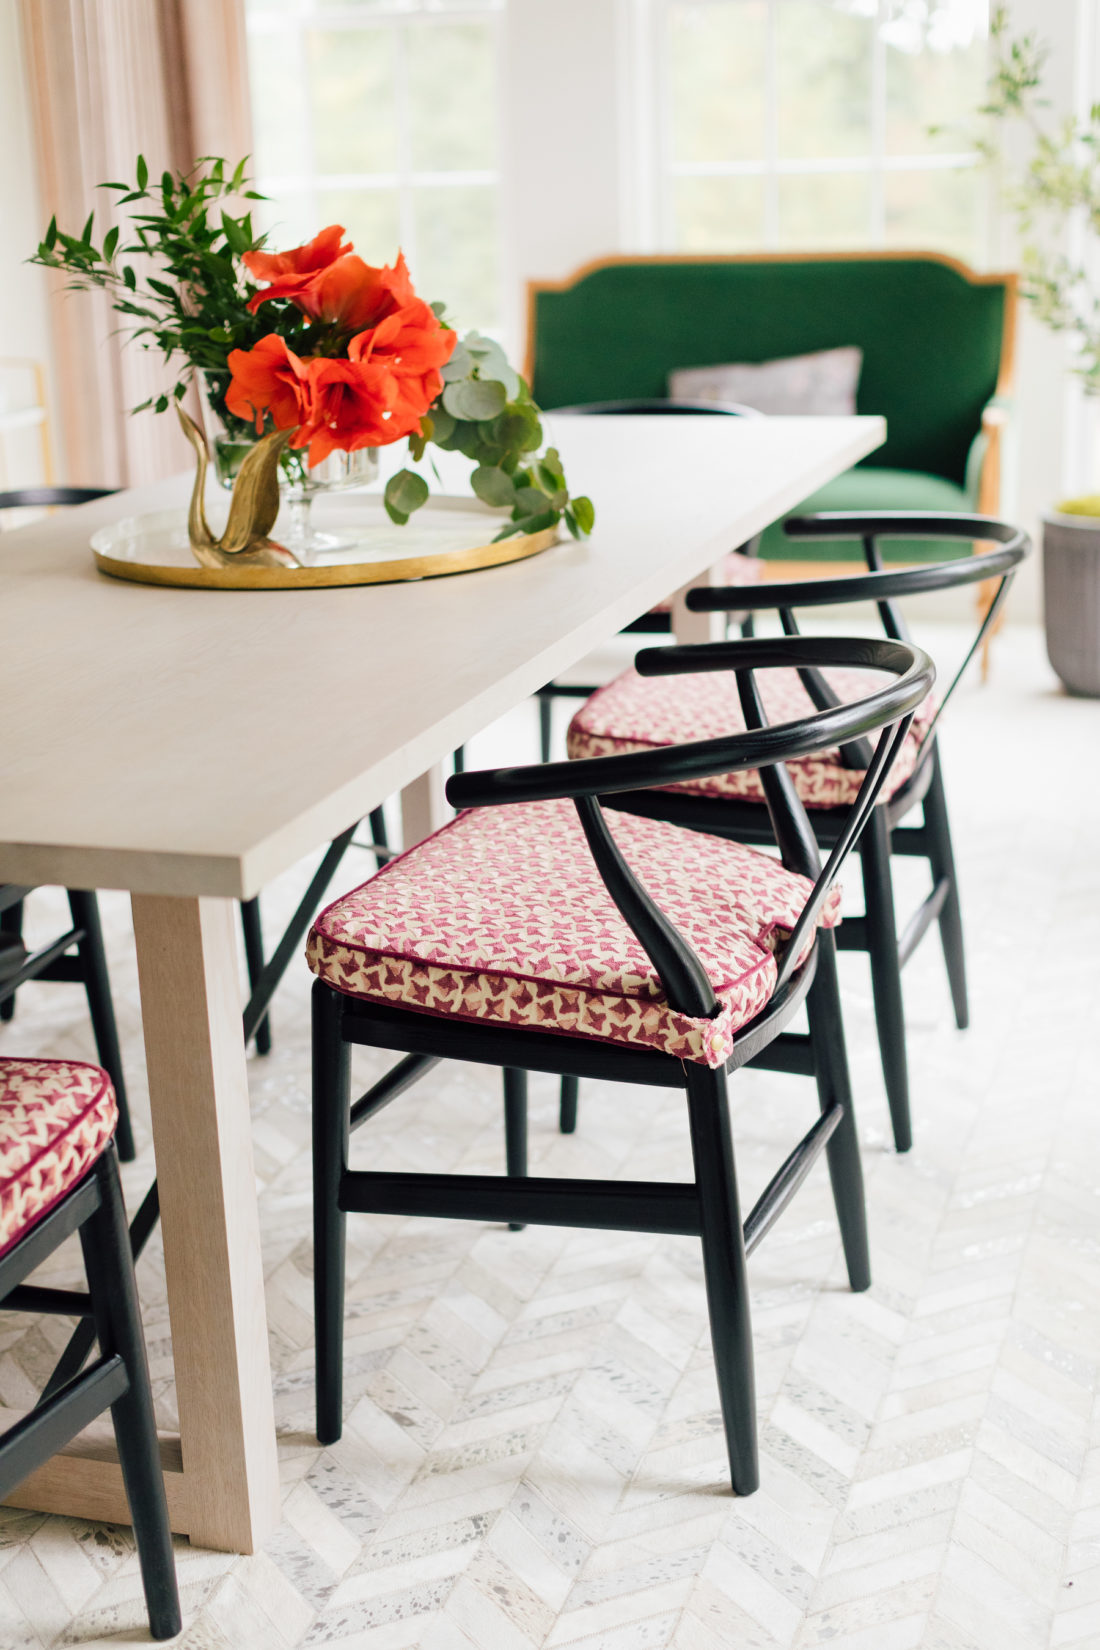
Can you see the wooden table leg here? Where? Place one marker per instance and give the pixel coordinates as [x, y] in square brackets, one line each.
[697, 627]
[191, 1008]
[423, 807]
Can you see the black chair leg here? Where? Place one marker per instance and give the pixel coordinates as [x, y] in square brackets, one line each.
[515, 1127]
[546, 726]
[378, 827]
[882, 943]
[834, 1089]
[567, 1110]
[331, 1134]
[106, 1244]
[724, 1267]
[942, 858]
[252, 928]
[11, 922]
[93, 962]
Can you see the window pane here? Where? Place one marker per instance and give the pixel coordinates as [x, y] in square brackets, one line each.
[370, 218]
[718, 214]
[289, 219]
[452, 96]
[941, 210]
[823, 211]
[716, 66]
[456, 252]
[278, 105]
[935, 73]
[823, 76]
[351, 81]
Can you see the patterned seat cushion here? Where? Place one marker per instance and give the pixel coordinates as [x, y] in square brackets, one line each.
[640, 713]
[736, 569]
[502, 916]
[56, 1118]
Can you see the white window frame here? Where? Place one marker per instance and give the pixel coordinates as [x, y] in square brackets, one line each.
[647, 104]
[405, 179]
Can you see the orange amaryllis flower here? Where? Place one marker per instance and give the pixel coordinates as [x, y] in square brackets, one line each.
[344, 291]
[376, 394]
[349, 407]
[267, 380]
[349, 293]
[296, 267]
[381, 392]
[413, 346]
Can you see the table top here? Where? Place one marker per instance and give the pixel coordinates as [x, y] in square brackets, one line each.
[199, 742]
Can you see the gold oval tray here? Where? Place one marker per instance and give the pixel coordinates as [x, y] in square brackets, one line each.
[449, 535]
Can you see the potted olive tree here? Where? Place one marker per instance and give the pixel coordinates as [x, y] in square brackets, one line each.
[1055, 195]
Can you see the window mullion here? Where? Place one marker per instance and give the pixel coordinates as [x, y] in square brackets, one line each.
[406, 204]
[648, 217]
[771, 127]
[878, 127]
[309, 135]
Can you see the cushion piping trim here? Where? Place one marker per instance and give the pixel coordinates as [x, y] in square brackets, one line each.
[557, 985]
[106, 1086]
[536, 1030]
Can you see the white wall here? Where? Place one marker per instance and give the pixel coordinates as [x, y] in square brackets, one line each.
[1053, 446]
[561, 193]
[24, 322]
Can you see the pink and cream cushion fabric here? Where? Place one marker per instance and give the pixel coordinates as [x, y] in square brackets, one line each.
[643, 713]
[502, 916]
[56, 1118]
[736, 569]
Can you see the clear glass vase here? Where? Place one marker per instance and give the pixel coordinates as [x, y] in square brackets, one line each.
[230, 441]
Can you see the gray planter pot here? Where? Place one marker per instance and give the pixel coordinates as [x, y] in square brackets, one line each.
[1071, 600]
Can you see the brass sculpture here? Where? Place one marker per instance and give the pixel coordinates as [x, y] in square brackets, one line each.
[253, 506]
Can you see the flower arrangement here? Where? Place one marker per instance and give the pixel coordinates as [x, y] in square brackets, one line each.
[316, 340]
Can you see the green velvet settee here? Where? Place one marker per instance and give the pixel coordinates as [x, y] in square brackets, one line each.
[937, 342]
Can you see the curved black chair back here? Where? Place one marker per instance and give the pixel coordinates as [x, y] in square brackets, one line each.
[38, 498]
[884, 587]
[655, 404]
[889, 709]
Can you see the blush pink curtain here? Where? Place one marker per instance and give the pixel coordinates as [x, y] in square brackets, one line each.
[110, 79]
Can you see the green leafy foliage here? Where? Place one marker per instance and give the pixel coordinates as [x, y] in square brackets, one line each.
[486, 413]
[405, 492]
[187, 297]
[1055, 187]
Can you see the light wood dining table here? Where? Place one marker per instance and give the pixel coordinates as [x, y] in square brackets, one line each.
[190, 745]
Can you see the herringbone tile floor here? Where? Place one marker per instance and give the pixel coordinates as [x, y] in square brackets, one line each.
[532, 1454]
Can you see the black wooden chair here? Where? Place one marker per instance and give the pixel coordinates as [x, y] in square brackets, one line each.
[742, 566]
[50, 498]
[551, 936]
[632, 713]
[77, 956]
[59, 1175]
[265, 973]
